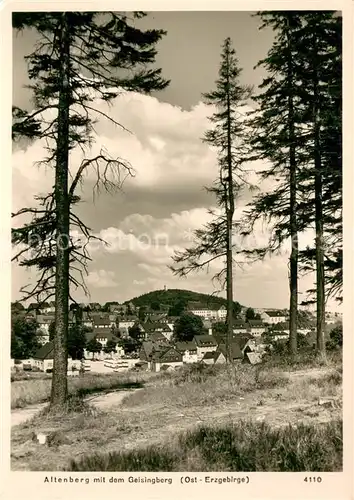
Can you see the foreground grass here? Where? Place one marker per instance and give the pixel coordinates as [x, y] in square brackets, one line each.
[37, 390]
[245, 446]
[198, 385]
[176, 404]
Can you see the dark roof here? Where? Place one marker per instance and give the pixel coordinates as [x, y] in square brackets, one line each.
[238, 323]
[45, 352]
[146, 350]
[284, 325]
[101, 321]
[236, 352]
[209, 355]
[157, 337]
[167, 355]
[128, 318]
[205, 340]
[254, 323]
[186, 346]
[104, 333]
[153, 326]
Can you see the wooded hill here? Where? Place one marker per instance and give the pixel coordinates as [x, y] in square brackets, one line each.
[176, 300]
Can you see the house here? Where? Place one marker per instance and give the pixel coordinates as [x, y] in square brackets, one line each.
[221, 354]
[240, 326]
[157, 337]
[104, 335]
[273, 317]
[158, 327]
[208, 358]
[127, 321]
[168, 356]
[154, 317]
[43, 359]
[188, 351]
[210, 311]
[275, 335]
[256, 327]
[145, 353]
[205, 343]
[100, 322]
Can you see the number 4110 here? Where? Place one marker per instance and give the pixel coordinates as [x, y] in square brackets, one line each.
[313, 479]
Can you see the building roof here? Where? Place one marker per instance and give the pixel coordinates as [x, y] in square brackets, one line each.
[146, 350]
[254, 357]
[104, 333]
[156, 337]
[128, 318]
[238, 323]
[256, 323]
[209, 355]
[186, 346]
[236, 352]
[205, 340]
[154, 326]
[101, 321]
[168, 355]
[45, 352]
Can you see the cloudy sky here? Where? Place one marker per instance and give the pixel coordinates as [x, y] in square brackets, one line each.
[165, 201]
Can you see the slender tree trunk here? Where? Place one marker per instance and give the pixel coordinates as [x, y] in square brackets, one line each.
[230, 209]
[320, 277]
[59, 382]
[293, 278]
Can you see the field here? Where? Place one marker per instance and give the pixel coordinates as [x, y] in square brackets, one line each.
[248, 417]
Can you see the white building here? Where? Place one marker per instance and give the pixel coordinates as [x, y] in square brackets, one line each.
[273, 317]
[208, 312]
[188, 351]
[205, 343]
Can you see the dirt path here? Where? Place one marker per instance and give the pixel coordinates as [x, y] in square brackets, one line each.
[100, 401]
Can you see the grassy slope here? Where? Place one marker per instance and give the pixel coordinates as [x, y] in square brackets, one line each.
[155, 419]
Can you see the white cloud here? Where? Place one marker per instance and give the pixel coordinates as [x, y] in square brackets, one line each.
[101, 279]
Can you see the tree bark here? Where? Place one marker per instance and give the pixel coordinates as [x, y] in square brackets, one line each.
[230, 209]
[59, 381]
[294, 256]
[320, 276]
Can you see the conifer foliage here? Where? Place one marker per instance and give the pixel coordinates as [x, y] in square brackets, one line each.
[79, 57]
[228, 136]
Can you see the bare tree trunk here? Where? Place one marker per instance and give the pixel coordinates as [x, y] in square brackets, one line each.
[230, 209]
[293, 278]
[59, 382]
[320, 277]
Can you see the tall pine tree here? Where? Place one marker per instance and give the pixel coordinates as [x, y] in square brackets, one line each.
[277, 139]
[79, 56]
[228, 137]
